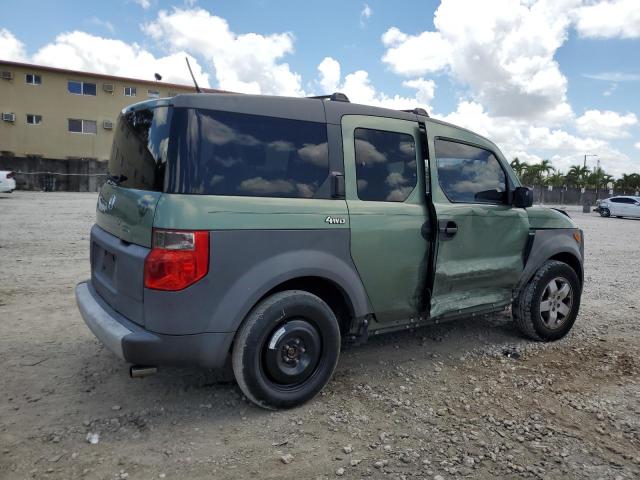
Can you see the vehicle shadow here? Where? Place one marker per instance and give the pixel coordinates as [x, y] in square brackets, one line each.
[215, 395]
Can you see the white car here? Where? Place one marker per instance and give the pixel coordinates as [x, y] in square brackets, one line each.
[622, 206]
[7, 182]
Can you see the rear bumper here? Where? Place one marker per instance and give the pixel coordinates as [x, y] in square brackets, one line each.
[136, 345]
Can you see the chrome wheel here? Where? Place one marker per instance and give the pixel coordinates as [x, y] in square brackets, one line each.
[556, 303]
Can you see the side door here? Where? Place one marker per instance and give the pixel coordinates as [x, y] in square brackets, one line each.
[616, 206]
[481, 238]
[634, 208]
[384, 189]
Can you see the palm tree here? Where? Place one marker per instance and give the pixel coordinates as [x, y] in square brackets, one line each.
[577, 176]
[518, 167]
[557, 179]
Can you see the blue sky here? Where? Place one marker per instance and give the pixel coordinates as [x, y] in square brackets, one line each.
[543, 78]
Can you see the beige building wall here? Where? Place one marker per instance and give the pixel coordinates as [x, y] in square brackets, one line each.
[52, 100]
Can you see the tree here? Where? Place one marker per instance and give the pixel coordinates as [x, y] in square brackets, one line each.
[577, 176]
[518, 167]
[557, 179]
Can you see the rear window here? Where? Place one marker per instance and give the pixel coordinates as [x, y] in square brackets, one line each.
[140, 149]
[225, 153]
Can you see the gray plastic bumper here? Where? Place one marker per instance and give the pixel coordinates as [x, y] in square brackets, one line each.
[136, 345]
[103, 325]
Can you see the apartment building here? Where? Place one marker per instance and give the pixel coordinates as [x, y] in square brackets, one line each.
[61, 120]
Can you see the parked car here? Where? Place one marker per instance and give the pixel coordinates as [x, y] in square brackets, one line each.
[621, 206]
[272, 230]
[7, 182]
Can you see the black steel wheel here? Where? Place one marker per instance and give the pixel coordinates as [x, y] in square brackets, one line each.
[604, 212]
[286, 350]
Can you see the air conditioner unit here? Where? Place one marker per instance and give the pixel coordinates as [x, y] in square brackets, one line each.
[107, 87]
[6, 75]
[107, 124]
[9, 117]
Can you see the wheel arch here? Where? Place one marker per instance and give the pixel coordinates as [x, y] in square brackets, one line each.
[552, 244]
[320, 273]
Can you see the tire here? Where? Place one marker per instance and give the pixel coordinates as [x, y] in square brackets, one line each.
[534, 318]
[604, 212]
[286, 350]
[618, 216]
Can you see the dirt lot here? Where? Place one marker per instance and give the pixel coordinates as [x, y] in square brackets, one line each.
[440, 402]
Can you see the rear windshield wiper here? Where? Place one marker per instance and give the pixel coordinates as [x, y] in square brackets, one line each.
[116, 179]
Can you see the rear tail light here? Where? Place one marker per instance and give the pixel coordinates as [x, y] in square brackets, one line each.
[10, 175]
[178, 258]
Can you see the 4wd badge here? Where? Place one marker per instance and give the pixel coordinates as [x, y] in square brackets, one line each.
[335, 220]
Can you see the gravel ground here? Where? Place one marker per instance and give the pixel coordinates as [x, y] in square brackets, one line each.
[436, 403]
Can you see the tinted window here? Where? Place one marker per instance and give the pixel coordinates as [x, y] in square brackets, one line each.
[88, 88]
[385, 165]
[75, 87]
[139, 152]
[469, 174]
[224, 153]
[75, 125]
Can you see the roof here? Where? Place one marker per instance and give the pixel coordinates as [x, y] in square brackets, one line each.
[104, 76]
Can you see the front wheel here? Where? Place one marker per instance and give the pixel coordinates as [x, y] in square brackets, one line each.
[548, 305]
[286, 350]
[604, 212]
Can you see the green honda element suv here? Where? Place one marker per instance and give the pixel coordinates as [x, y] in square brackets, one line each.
[273, 230]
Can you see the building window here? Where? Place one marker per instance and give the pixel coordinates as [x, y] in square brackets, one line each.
[153, 93]
[33, 79]
[83, 126]
[129, 91]
[386, 167]
[81, 88]
[34, 119]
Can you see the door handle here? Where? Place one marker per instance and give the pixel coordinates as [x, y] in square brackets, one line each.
[448, 228]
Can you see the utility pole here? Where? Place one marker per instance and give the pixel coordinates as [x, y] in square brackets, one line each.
[588, 155]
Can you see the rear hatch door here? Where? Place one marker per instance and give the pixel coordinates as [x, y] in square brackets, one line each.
[121, 239]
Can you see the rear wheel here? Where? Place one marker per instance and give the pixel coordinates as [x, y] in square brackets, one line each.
[548, 305]
[286, 350]
[604, 212]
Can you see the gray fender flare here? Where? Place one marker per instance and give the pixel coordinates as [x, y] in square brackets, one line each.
[253, 284]
[547, 244]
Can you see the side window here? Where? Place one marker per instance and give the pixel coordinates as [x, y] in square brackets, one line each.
[386, 168]
[227, 153]
[469, 174]
[615, 200]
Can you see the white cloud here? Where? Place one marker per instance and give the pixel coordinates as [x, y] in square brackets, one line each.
[11, 48]
[518, 138]
[330, 76]
[609, 19]
[143, 3]
[637, 145]
[504, 53]
[357, 86]
[606, 124]
[86, 52]
[365, 14]
[614, 76]
[415, 55]
[248, 63]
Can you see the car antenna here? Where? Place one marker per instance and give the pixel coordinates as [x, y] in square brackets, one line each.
[194, 78]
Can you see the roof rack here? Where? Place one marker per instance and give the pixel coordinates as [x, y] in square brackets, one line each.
[417, 111]
[334, 97]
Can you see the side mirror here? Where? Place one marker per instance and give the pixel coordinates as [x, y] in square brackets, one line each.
[522, 197]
